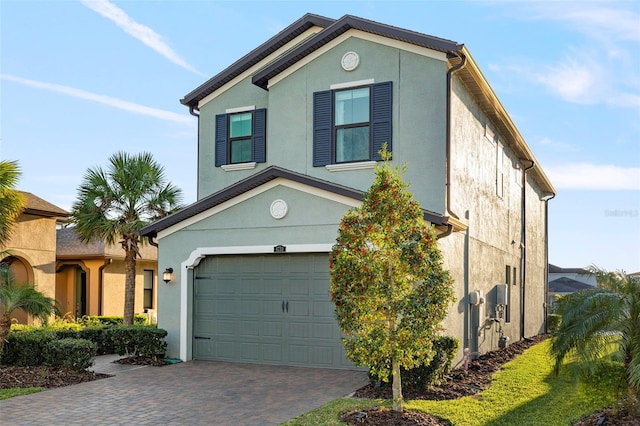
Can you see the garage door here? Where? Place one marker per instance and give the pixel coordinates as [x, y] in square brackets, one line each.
[271, 309]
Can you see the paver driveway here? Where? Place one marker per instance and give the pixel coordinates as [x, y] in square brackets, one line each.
[191, 393]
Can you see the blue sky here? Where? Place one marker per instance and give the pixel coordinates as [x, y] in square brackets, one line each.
[81, 80]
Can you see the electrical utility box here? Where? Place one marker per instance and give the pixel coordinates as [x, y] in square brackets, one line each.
[502, 295]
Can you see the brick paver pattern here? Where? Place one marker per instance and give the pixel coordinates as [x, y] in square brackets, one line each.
[190, 393]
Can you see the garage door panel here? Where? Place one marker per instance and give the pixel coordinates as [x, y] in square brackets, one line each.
[239, 305]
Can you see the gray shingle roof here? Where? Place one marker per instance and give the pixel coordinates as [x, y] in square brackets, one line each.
[39, 207]
[567, 285]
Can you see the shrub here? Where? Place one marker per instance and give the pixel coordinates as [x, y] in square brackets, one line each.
[101, 336]
[99, 320]
[147, 341]
[26, 348]
[553, 321]
[423, 376]
[77, 354]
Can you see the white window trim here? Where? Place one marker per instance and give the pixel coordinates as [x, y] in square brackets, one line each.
[342, 167]
[240, 109]
[348, 84]
[238, 166]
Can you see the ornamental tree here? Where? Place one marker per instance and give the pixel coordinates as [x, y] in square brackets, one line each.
[388, 284]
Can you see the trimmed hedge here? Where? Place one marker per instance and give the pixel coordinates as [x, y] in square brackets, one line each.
[101, 320]
[134, 340]
[423, 376]
[78, 348]
[77, 354]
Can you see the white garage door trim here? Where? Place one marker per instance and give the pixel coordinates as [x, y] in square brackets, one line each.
[199, 253]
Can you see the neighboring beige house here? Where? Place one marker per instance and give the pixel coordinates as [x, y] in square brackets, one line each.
[563, 281]
[90, 277]
[87, 279]
[31, 250]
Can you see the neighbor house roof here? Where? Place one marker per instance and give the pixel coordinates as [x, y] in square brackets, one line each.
[70, 246]
[567, 285]
[254, 181]
[553, 269]
[458, 55]
[38, 207]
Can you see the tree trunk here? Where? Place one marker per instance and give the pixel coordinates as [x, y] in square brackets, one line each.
[5, 327]
[129, 286]
[396, 386]
[633, 405]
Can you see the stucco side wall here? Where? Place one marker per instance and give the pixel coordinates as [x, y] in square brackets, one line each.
[33, 240]
[486, 188]
[113, 287]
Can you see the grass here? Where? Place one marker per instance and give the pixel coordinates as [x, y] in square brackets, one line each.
[524, 392]
[10, 393]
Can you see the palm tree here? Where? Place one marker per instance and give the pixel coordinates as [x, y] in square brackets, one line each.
[595, 320]
[114, 204]
[21, 296]
[11, 200]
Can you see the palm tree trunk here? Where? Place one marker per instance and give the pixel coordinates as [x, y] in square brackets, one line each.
[129, 286]
[5, 327]
[633, 406]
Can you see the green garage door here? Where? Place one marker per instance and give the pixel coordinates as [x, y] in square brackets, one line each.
[269, 309]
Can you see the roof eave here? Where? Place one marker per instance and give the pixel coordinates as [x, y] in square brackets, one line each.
[256, 55]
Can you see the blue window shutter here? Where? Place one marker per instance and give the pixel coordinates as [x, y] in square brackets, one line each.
[259, 135]
[322, 128]
[381, 97]
[221, 140]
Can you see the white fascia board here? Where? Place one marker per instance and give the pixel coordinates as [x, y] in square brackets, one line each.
[259, 65]
[256, 191]
[423, 51]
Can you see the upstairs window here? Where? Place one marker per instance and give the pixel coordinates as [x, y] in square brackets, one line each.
[241, 137]
[351, 125]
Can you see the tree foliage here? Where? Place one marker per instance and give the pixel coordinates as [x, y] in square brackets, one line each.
[11, 200]
[22, 296]
[114, 204]
[595, 320]
[388, 284]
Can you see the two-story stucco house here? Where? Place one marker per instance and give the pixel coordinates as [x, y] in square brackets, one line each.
[288, 139]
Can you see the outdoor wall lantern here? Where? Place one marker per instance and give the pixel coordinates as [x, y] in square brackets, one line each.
[167, 275]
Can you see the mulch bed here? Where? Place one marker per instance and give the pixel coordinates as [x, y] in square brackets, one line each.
[44, 377]
[457, 384]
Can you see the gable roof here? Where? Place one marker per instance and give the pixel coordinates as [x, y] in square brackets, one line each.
[567, 285]
[38, 207]
[254, 57]
[341, 26]
[255, 181]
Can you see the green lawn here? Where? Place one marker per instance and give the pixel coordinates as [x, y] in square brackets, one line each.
[10, 393]
[524, 392]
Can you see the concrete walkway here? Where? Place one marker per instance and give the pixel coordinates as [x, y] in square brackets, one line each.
[188, 393]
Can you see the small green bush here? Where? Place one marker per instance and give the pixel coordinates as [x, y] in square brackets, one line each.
[26, 348]
[101, 336]
[147, 341]
[553, 321]
[77, 354]
[423, 376]
[98, 320]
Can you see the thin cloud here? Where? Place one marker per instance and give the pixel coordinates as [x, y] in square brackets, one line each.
[593, 20]
[102, 99]
[587, 176]
[559, 146]
[139, 31]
